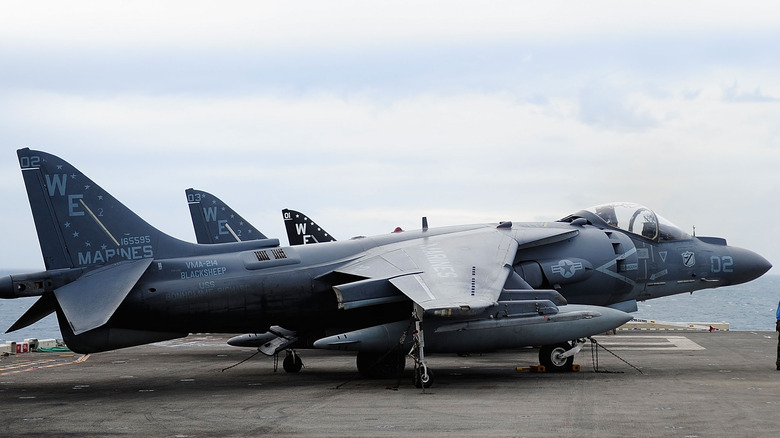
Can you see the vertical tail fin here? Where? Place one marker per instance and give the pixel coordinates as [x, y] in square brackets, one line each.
[215, 222]
[81, 225]
[302, 230]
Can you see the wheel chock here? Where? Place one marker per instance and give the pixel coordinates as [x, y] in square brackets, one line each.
[532, 369]
[575, 368]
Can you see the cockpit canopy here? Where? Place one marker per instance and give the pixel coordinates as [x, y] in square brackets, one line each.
[633, 218]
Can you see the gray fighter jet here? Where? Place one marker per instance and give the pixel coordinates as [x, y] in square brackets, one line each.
[650, 258]
[115, 281]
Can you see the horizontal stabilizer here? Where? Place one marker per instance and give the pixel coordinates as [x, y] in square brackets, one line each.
[90, 301]
[45, 306]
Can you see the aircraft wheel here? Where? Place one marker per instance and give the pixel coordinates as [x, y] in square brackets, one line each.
[549, 356]
[292, 363]
[381, 365]
[421, 380]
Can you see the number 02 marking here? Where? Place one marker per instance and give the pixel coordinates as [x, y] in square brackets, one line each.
[722, 264]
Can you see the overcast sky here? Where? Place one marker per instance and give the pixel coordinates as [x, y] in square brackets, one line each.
[369, 115]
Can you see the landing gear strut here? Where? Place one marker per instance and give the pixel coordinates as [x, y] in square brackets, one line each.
[423, 376]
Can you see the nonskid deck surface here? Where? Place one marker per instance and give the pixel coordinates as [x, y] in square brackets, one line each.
[690, 385]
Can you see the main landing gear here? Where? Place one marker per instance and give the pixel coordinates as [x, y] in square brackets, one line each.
[423, 376]
[558, 358]
[292, 362]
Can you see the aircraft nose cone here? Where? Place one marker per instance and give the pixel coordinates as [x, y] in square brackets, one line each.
[748, 265]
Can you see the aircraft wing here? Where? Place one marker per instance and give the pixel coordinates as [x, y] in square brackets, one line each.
[448, 275]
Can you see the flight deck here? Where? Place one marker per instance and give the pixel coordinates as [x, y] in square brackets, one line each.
[691, 384]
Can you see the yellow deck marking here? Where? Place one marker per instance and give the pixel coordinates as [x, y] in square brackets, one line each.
[27, 366]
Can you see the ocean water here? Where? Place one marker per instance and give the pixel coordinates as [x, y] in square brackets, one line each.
[11, 310]
[750, 306]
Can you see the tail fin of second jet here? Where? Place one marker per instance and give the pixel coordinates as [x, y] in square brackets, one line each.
[302, 230]
[215, 222]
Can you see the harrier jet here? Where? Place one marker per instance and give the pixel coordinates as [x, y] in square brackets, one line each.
[115, 281]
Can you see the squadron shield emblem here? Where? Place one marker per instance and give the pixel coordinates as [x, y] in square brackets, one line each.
[689, 259]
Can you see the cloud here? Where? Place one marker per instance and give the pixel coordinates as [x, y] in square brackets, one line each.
[369, 115]
[611, 108]
[734, 94]
[275, 24]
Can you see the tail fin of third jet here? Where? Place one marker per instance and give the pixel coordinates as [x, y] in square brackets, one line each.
[215, 222]
[302, 230]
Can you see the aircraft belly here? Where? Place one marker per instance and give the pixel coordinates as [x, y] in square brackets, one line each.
[239, 303]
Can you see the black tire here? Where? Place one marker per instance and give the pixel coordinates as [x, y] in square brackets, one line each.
[548, 357]
[421, 381]
[292, 363]
[387, 365]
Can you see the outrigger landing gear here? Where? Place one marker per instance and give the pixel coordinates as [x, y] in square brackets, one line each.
[292, 362]
[558, 358]
[423, 376]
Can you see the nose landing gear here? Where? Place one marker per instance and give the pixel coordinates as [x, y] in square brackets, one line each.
[558, 358]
